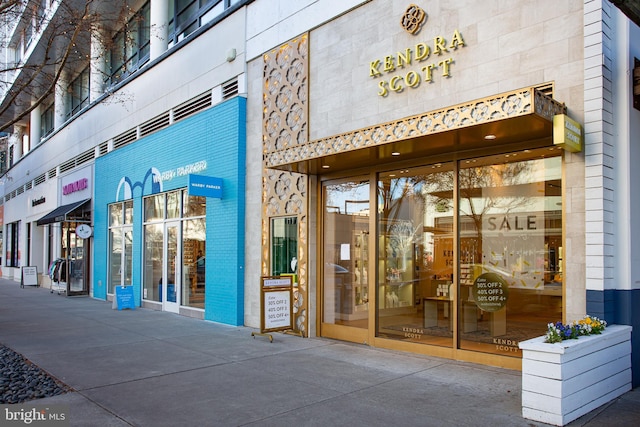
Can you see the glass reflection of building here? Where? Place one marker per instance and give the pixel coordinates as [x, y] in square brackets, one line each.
[438, 229]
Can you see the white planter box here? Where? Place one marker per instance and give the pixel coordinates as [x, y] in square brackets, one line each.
[565, 380]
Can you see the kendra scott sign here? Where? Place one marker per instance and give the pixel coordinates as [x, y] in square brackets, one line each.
[421, 63]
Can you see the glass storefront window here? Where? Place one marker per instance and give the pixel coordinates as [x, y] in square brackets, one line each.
[154, 208]
[115, 260]
[182, 241]
[13, 238]
[468, 254]
[510, 220]
[194, 244]
[115, 214]
[120, 245]
[152, 259]
[415, 254]
[128, 212]
[284, 246]
[193, 205]
[173, 204]
[345, 257]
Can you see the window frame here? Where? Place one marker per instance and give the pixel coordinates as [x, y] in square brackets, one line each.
[130, 46]
[78, 93]
[189, 22]
[47, 122]
[121, 227]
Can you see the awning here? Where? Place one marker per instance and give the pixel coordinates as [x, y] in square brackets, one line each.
[60, 213]
[510, 119]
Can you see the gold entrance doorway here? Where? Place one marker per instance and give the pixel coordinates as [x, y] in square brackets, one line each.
[345, 276]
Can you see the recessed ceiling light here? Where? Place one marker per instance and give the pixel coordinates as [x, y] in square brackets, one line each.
[395, 153]
[325, 166]
[489, 137]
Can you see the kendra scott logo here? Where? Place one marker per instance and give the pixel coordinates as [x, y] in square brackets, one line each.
[413, 18]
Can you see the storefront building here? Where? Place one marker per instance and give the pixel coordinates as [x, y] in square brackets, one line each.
[41, 228]
[435, 175]
[169, 217]
[65, 236]
[128, 86]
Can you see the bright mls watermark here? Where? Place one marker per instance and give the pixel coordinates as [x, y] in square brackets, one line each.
[34, 415]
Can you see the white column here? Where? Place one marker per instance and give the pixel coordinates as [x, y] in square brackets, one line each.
[98, 68]
[60, 101]
[159, 40]
[35, 126]
[16, 141]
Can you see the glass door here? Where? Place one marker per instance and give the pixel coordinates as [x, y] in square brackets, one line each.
[345, 281]
[120, 258]
[75, 251]
[416, 255]
[172, 266]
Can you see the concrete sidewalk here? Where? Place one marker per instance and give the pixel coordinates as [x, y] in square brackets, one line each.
[148, 368]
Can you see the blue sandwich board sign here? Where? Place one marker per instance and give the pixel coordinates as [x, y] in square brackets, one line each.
[124, 297]
[208, 186]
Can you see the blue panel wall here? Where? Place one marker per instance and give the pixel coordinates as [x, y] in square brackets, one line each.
[215, 138]
[616, 306]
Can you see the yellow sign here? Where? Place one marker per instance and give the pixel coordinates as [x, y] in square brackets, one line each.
[567, 133]
[421, 52]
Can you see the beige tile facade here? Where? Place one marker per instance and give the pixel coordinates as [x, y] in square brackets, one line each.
[504, 46]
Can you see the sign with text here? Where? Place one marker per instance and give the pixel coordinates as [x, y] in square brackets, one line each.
[207, 186]
[124, 297]
[567, 133]
[29, 276]
[490, 292]
[276, 282]
[276, 309]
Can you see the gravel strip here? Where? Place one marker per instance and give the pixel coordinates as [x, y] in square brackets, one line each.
[21, 380]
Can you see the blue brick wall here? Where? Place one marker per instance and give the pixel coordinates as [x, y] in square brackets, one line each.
[216, 136]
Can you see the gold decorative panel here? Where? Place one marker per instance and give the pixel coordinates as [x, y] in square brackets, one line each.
[509, 105]
[285, 115]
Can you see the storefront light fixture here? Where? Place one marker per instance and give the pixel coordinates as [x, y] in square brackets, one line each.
[325, 166]
[395, 153]
[490, 137]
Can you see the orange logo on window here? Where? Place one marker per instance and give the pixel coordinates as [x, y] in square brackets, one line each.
[413, 19]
